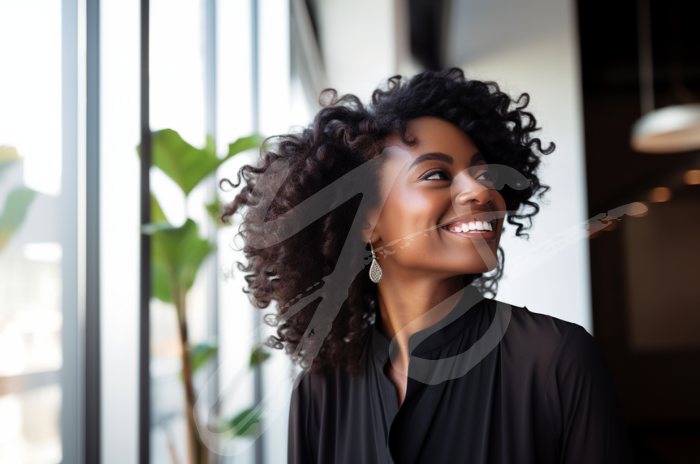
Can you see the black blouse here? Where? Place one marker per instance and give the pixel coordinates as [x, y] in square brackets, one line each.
[543, 395]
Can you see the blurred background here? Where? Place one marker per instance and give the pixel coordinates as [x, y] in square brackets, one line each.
[121, 306]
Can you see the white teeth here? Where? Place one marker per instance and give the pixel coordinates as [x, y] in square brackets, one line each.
[474, 225]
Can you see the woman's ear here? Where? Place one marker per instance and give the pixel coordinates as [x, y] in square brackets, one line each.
[369, 234]
[368, 231]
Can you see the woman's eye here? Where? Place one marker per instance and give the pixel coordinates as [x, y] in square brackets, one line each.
[486, 175]
[435, 175]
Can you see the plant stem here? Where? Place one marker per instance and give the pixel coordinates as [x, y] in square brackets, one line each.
[196, 451]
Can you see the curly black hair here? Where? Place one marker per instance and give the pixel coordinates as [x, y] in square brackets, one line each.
[343, 135]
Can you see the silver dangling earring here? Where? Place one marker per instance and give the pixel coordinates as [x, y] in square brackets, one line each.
[375, 272]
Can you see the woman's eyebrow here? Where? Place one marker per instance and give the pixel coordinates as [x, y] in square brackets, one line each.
[478, 156]
[431, 156]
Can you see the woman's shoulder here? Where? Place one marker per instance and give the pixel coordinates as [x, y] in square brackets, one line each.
[563, 362]
[538, 324]
[327, 384]
[548, 340]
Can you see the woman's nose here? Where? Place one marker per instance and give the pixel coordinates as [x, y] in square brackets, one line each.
[465, 189]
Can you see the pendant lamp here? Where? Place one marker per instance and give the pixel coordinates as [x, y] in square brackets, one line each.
[672, 129]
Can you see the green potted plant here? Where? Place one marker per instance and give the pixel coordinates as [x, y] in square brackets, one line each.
[176, 256]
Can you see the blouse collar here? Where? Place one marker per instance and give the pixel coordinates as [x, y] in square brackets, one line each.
[437, 335]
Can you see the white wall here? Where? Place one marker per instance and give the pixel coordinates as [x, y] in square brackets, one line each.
[532, 46]
[363, 43]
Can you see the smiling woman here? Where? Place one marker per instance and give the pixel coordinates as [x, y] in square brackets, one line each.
[419, 366]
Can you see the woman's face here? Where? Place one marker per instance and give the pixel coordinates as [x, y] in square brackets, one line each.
[424, 225]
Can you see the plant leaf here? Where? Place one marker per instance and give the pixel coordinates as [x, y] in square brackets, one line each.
[245, 423]
[177, 254]
[243, 144]
[258, 356]
[8, 155]
[214, 209]
[160, 283]
[188, 165]
[201, 353]
[14, 212]
[156, 212]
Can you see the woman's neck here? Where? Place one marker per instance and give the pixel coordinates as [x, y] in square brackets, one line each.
[409, 307]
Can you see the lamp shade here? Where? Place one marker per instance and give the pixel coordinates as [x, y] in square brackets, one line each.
[672, 129]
